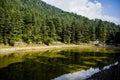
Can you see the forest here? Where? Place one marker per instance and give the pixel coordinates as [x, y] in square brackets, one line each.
[34, 21]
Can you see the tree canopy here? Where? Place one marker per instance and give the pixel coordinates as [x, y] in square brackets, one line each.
[38, 22]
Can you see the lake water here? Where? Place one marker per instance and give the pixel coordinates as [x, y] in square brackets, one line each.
[50, 64]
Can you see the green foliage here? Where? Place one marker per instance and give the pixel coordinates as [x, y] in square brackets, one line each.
[26, 39]
[48, 41]
[11, 42]
[38, 22]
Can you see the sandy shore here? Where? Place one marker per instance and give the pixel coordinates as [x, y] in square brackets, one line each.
[44, 47]
[13, 49]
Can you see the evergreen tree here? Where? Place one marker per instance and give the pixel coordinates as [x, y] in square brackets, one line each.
[38, 22]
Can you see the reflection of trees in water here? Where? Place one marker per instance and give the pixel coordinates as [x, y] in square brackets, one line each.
[31, 70]
[113, 73]
[46, 66]
[100, 59]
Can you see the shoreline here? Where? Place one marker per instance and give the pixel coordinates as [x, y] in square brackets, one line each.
[40, 48]
[45, 47]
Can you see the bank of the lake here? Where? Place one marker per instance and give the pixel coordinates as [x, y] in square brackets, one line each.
[43, 47]
[9, 49]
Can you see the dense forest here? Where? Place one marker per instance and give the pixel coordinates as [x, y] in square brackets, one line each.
[34, 21]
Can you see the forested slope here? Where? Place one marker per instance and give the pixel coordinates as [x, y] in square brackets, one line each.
[38, 22]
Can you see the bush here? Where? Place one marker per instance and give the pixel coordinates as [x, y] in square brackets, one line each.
[26, 39]
[11, 42]
[48, 41]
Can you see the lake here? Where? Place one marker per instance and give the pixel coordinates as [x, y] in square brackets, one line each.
[50, 64]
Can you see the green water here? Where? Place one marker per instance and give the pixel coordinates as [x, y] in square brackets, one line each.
[46, 65]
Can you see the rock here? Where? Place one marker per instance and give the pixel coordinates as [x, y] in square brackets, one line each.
[109, 74]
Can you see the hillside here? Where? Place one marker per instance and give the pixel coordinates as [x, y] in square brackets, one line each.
[38, 22]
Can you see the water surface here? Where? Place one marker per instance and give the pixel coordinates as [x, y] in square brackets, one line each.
[46, 65]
